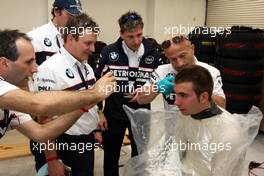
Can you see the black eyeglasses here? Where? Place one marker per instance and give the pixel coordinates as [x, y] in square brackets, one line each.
[177, 39]
[133, 17]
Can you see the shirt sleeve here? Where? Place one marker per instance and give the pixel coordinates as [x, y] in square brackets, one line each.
[6, 87]
[155, 76]
[218, 84]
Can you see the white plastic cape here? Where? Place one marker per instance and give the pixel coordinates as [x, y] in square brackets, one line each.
[170, 144]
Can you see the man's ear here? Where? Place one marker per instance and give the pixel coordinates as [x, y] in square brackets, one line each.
[204, 97]
[4, 66]
[69, 38]
[193, 48]
[121, 35]
[57, 12]
[3, 62]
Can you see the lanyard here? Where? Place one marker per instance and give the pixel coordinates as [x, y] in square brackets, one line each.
[82, 77]
[6, 115]
[58, 42]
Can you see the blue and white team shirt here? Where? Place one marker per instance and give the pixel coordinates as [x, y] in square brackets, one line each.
[46, 41]
[60, 73]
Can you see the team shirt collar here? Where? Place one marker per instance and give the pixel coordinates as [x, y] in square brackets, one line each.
[129, 52]
[53, 28]
[72, 61]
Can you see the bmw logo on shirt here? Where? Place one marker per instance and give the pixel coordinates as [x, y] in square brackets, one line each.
[47, 42]
[113, 56]
[69, 73]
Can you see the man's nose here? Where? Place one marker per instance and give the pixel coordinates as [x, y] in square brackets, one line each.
[92, 48]
[137, 40]
[180, 63]
[34, 68]
[177, 101]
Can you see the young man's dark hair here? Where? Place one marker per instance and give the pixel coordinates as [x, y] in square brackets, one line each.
[55, 9]
[200, 78]
[130, 21]
[8, 48]
[80, 25]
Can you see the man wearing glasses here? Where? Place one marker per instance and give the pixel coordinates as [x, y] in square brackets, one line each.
[131, 59]
[180, 52]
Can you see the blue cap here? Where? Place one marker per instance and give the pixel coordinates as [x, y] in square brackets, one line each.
[73, 7]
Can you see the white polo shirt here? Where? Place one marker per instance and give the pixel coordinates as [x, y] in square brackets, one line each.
[46, 41]
[60, 73]
[5, 87]
[10, 118]
[163, 70]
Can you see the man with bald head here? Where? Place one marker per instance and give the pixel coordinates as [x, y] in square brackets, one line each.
[179, 50]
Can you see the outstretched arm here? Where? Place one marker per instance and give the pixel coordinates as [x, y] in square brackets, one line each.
[57, 102]
[50, 130]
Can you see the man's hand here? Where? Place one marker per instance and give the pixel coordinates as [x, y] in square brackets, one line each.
[103, 122]
[98, 137]
[55, 168]
[106, 85]
[134, 95]
[166, 85]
